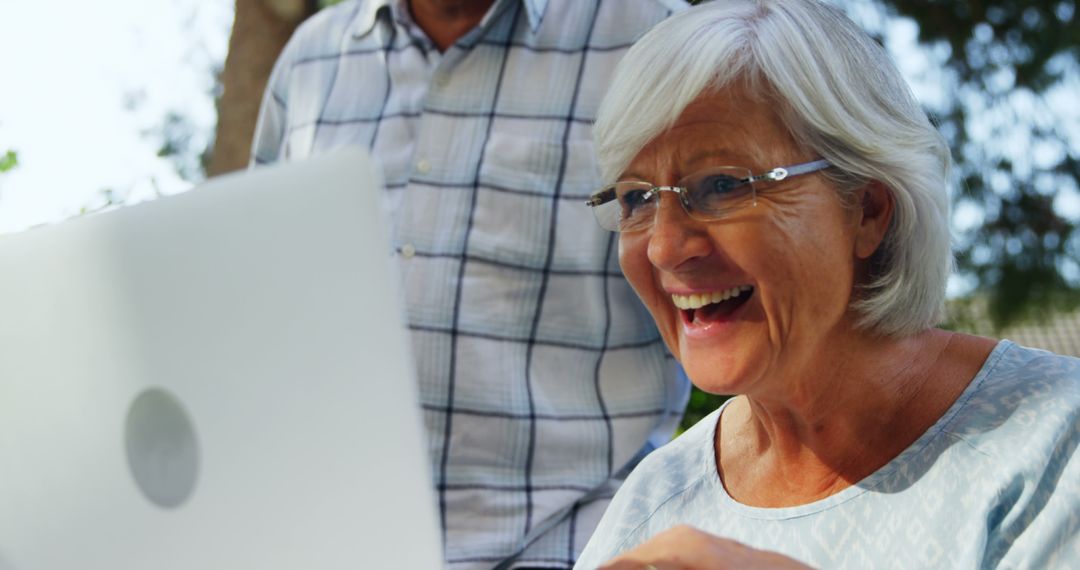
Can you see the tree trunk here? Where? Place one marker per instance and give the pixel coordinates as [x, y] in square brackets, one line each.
[260, 30]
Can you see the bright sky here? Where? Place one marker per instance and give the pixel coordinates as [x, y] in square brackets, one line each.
[82, 80]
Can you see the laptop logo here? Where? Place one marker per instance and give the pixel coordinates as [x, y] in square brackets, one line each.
[162, 449]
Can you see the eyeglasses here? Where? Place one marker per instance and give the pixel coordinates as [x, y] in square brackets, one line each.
[706, 195]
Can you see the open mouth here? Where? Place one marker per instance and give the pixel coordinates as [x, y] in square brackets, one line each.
[704, 308]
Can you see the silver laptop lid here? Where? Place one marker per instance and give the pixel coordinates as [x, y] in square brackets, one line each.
[218, 379]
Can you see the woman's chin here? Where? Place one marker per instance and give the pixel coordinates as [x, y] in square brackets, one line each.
[721, 368]
[717, 378]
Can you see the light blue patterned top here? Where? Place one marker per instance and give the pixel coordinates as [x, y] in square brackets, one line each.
[995, 483]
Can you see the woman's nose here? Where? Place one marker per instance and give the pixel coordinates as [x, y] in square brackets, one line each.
[675, 237]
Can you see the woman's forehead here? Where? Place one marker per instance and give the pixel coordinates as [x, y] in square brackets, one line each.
[727, 127]
[702, 143]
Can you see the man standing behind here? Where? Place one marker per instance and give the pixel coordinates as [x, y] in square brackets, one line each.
[542, 378]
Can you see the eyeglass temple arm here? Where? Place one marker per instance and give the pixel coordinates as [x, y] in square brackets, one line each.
[602, 197]
[783, 172]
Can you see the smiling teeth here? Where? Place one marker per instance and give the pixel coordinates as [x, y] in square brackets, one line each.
[686, 302]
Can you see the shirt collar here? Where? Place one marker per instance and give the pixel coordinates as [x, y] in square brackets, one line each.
[368, 11]
[534, 9]
[366, 14]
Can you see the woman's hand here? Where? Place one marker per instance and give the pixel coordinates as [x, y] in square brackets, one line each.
[687, 548]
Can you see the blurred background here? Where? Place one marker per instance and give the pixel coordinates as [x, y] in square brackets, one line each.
[114, 102]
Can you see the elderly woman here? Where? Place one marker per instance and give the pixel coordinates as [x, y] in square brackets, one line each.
[781, 207]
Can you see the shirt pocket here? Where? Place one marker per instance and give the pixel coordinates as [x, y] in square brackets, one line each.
[525, 186]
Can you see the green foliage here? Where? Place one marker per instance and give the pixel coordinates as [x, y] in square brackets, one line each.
[9, 160]
[700, 405]
[107, 198]
[179, 140]
[1014, 155]
[986, 37]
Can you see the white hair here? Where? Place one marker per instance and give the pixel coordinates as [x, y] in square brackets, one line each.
[840, 96]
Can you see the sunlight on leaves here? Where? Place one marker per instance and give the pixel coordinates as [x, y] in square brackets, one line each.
[8, 161]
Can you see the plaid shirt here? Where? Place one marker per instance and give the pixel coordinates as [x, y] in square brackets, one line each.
[541, 375]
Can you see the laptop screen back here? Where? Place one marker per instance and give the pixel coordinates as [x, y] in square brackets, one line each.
[218, 379]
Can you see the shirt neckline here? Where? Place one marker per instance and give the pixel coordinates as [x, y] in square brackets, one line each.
[366, 14]
[867, 483]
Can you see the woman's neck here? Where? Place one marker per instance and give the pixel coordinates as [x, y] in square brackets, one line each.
[841, 416]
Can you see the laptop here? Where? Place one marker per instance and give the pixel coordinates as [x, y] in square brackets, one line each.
[216, 379]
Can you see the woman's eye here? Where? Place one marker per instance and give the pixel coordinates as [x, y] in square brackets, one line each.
[717, 191]
[720, 184]
[632, 200]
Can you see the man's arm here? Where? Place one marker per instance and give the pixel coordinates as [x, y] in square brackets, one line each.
[269, 143]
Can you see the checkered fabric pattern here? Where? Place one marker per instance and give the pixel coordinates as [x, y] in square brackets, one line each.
[542, 377]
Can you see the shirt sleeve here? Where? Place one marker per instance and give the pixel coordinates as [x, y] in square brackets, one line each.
[1043, 529]
[1051, 539]
[268, 146]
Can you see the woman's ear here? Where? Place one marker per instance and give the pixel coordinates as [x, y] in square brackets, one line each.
[874, 215]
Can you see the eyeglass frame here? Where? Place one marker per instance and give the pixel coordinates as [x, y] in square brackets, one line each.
[607, 194]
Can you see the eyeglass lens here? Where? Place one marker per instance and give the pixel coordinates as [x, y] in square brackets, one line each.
[706, 195]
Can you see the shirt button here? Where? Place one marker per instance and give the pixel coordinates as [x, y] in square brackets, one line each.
[408, 251]
[423, 166]
[442, 80]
